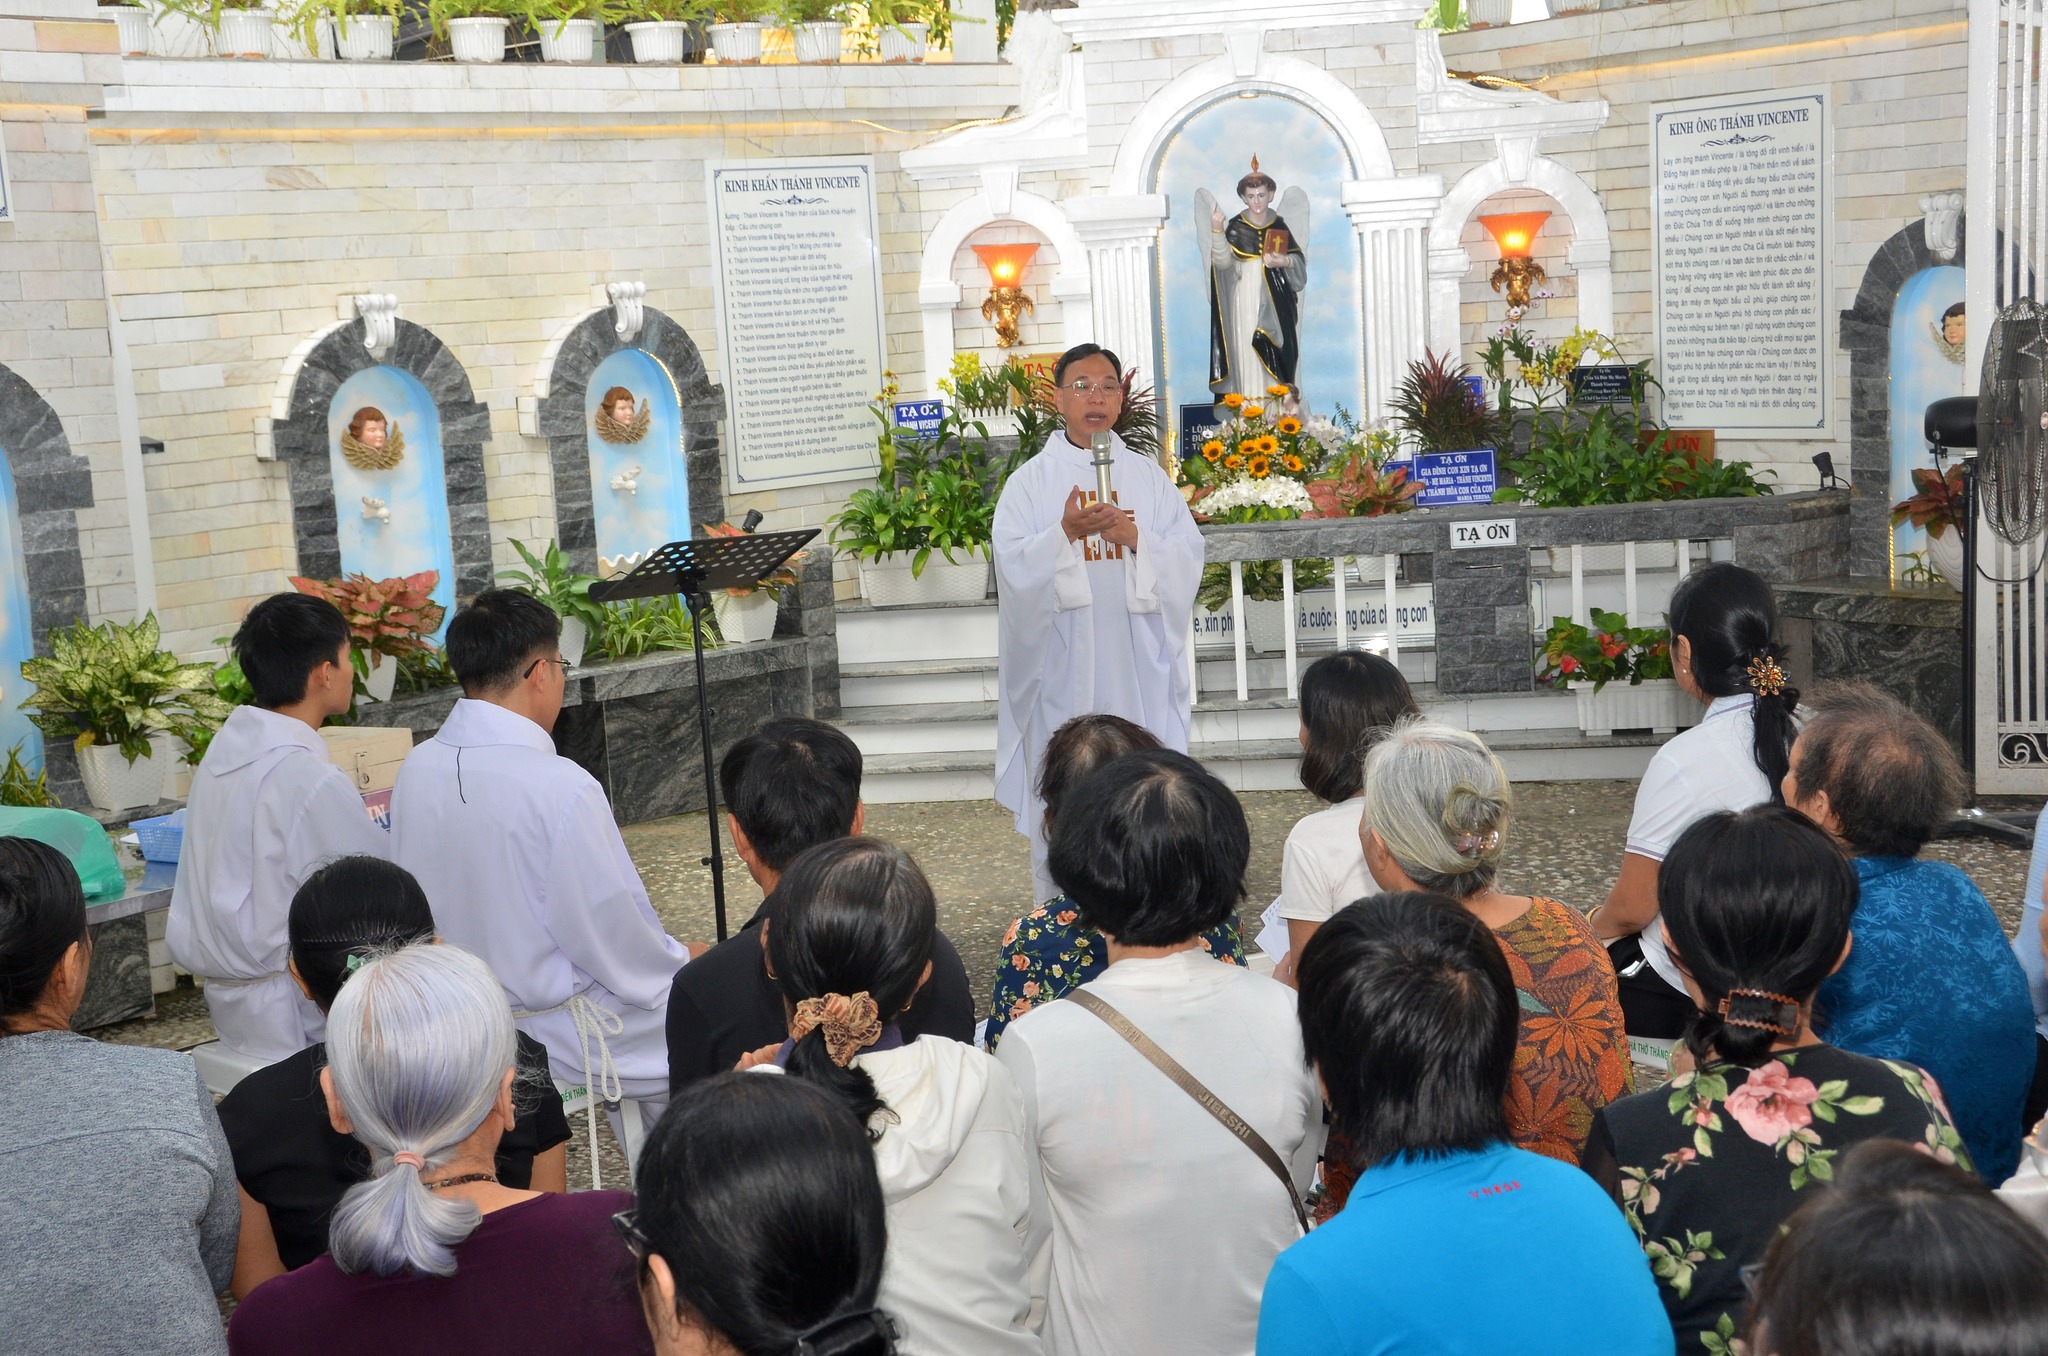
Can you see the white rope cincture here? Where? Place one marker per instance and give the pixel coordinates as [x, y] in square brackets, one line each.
[600, 1077]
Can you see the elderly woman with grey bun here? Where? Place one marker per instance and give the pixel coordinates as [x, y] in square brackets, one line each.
[432, 1253]
[1437, 813]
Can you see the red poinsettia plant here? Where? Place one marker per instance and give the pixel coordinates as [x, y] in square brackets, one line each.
[1360, 485]
[1609, 650]
[385, 616]
[1936, 504]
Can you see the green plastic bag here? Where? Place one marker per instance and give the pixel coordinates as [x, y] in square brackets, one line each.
[78, 837]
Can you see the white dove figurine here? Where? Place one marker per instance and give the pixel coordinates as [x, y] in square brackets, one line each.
[628, 480]
[376, 510]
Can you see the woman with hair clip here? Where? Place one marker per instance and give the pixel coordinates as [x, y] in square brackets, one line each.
[850, 944]
[433, 1252]
[1349, 700]
[292, 1164]
[1756, 908]
[1724, 654]
[760, 1228]
[1050, 952]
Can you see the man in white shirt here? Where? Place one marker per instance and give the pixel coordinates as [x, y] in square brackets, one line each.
[268, 808]
[517, 850]
[1095, 599]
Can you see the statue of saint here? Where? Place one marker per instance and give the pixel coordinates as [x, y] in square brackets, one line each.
[616, 422]
[371, 442]
[1257, 272]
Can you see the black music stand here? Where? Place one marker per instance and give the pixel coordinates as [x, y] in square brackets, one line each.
[693, 569]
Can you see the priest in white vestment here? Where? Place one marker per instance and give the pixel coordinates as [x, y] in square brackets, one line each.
[268, 809]
[1095, 600]
[517, 850]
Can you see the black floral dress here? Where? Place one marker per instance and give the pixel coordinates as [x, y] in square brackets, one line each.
[1049, 951]
[1707, 1167]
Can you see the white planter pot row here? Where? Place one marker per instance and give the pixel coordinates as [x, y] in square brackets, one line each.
[1656, 705]
[887, 581]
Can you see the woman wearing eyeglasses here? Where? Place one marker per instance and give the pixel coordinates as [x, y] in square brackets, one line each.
[1094, 598]
[433, 1252]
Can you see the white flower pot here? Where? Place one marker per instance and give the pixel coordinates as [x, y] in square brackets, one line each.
[1489, 13]
[574, 40]
[887, 582]
[1000, 423]
[382, 678]
[366, 37]
[1656, 705]
[657, 41]
[244, 33]
[1945, 554]
[747, 618]
[575, 639]
[897, 47]
[170, 750]
[114, 783]
[736, 43]
[179, 35]
[1265, 625]
[285, 42]
[819, 44]
[138, 38]
[478, 40]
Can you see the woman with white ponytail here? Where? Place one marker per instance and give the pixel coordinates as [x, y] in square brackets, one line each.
[432, 1251]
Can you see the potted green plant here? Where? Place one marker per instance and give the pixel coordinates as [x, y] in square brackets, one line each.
[748, 615]
[242, 28]
[665, 31]
[551, 578]
[1935, 506]
[120, 699]
[184, 28]
[388, 619]
[901, 29]
[353, 30]
[131, 24]
[568, 29]
[922, 533]
[1621, 674]
[817, 27]
[473, 29]
[1436, 409]
[735, 31]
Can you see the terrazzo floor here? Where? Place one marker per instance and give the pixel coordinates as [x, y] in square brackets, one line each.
[1566, 842]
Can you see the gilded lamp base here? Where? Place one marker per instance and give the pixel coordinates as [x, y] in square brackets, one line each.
[1519, 273]
[1003, 306]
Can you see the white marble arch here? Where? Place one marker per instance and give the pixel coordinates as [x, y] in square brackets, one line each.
[938, 294]
[1389, 212]
[1518, 166]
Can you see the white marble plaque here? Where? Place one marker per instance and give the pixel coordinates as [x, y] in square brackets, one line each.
[1741, 233]
[799, 299]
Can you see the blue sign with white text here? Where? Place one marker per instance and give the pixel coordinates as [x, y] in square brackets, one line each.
[920, 416]
[1455, 477]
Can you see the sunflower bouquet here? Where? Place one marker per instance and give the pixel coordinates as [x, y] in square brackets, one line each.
[1255, 443]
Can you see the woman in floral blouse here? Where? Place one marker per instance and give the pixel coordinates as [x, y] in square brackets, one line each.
[1049, 951]
[1756, 908]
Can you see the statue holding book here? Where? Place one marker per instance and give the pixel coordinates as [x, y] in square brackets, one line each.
[1257, 273]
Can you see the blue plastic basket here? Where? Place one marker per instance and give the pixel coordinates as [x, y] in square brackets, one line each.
[160, 838]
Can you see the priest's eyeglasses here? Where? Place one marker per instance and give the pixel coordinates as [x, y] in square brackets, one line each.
[566, 666]
[1085, 388]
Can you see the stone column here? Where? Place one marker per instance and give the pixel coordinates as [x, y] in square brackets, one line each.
[1120, 235]
[1391, 217]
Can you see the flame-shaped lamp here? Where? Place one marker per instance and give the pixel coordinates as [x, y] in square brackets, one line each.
[1515, 235]
[1006, 301]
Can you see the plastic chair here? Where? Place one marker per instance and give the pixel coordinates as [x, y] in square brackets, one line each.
[222, 1068]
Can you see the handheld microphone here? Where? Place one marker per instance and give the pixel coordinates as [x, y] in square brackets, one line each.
[1101, 460]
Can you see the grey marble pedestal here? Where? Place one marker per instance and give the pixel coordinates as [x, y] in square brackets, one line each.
[1907, 641]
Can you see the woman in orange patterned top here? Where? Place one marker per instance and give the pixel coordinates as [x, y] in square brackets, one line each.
[1437, 803]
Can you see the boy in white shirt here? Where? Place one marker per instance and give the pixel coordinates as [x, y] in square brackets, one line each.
[268, 808]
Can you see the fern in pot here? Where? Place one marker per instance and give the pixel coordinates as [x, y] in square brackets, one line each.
[551, 578]
[122, 700]
[736, 33]
[818, 28]
[665, 31]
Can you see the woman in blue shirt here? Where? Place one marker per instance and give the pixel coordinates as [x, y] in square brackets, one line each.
[1930, 979]
[1409, 1015]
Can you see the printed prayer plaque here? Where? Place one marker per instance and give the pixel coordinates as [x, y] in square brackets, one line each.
[1455, 477]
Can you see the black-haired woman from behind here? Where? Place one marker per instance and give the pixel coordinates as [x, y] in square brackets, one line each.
[759, 1224]
[292, 1164]
[1725, 654]
[850, 944]
[1756, 908]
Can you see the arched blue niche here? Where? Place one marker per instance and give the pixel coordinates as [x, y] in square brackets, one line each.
[639, 485]
[1213, 149]
[566, 418]
[308, 442]
[1924, 368]
[42, 573]
[392, 521]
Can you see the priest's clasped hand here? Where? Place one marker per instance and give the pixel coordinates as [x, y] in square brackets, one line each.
[1107, 521]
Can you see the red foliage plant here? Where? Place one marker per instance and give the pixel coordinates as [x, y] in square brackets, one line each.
[385, 616]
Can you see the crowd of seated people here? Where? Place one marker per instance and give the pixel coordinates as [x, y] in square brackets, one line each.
[1422, 1132]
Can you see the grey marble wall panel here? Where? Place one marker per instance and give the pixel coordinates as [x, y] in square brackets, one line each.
[117, 987]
